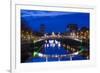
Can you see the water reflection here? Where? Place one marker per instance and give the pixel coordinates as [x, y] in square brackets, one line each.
[52, 43]
[54, 50]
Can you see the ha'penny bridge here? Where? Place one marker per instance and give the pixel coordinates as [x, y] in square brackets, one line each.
[57, 37]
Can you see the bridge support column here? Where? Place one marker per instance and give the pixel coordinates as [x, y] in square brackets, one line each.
[71, 58]
[46, 59]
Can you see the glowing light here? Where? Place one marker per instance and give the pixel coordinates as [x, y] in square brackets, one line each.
[40, 55]
[47, 45]
[44, 45]
[51, 41]
[76, 53]
[59, 45]
[35, 54]
[53, 45]
[45, 41]
[56, 42]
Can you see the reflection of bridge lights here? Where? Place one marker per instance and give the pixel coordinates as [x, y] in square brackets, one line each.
[59, 45]
[40, 55]
[45, 41]
[56, 42]
[47, 45]
[76, 53]
[56, 56]
[52, 43]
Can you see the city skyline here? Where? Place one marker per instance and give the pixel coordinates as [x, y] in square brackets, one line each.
[54, 21]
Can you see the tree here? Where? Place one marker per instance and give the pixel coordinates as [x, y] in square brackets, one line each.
[72, 27]
[84, 32]
[84, 29]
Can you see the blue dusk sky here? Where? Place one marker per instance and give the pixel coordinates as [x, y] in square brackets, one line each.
[54, 21]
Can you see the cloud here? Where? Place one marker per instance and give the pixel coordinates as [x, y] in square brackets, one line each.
[37, 13]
